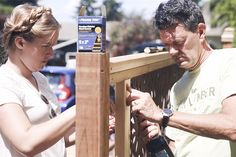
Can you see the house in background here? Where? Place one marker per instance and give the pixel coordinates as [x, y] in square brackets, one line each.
[227, 37]
[213, 34]
[67, 42]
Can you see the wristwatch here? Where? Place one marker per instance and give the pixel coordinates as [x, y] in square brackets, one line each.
[167, 113]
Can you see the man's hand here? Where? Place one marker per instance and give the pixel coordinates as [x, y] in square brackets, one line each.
[149, 130]
[144, 107]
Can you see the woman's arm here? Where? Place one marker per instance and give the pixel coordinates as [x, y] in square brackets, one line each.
[31, 139]
[70, 137]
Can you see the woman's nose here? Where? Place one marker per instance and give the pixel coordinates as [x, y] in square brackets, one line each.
[50, 53]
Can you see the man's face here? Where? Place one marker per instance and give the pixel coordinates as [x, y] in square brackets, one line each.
[184, 46]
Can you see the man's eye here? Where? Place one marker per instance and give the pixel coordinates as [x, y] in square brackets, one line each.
[167, 46]
[180, 43]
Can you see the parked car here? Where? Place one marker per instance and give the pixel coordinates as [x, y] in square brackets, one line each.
[151, 45]
[62, 82]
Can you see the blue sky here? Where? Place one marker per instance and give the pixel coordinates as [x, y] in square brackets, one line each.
[66, 11]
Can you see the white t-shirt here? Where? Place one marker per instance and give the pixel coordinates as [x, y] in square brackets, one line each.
[16, 89]
[201, 92]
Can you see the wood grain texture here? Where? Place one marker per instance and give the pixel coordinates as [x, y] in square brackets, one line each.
[129, 66]
[122, 129]
[92, 100]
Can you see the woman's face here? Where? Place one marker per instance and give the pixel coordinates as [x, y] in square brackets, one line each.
[36, 54]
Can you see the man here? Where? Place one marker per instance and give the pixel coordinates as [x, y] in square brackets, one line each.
[202, 119]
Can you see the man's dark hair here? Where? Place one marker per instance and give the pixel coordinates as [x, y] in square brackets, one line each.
[173, 12]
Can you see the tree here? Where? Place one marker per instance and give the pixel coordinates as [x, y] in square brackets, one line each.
[90, 10]
[224, 13]
[2, 56]
[17, 2]
[130, 32]
[113, 9]
[196, 1]
[6, 6]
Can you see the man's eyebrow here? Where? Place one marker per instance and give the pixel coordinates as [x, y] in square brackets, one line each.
[181, 38]
[49, 42]
[46, 44]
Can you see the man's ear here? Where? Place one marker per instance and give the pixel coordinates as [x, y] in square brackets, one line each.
[19, 42]
[202, 30]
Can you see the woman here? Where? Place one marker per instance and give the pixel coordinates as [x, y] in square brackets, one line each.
[30, 122]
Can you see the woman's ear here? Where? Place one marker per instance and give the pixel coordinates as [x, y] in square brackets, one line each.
[19, 42]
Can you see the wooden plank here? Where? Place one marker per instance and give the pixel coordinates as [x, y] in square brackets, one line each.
[140, 69]
[122, 115]
[92, 100]
[122, 63]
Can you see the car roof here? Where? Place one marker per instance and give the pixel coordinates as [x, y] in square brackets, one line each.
[140, 47]
[58, 69]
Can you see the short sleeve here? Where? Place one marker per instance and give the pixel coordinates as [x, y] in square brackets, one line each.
[228, 79]
[9, 96]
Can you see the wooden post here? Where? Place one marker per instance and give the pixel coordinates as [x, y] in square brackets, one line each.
[122, 129]
[92, 100]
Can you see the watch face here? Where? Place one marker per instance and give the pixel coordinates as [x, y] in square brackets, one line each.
[167, 112]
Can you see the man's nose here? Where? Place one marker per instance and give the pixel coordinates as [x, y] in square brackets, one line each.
[173, 51]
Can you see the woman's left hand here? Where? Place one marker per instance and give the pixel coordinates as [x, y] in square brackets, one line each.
[111, 124]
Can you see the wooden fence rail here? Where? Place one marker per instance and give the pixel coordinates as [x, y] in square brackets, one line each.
[94, 74]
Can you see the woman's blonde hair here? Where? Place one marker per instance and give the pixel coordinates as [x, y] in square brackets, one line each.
[28, 22]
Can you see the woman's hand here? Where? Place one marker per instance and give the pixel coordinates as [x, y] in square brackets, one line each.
[111, 124]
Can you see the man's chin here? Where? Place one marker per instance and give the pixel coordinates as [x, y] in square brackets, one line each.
[183, 66]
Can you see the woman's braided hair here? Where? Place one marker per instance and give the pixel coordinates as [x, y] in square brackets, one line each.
[28, 22]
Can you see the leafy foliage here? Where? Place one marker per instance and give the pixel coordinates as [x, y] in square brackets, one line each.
[90, 10]
[5, 9]
[6, 6]
[196, 1]
[2, 56]
[17, 2]
[129, 32]
[113, 10]
[224, 12]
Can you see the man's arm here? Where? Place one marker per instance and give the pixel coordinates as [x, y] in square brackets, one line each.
[220, 125]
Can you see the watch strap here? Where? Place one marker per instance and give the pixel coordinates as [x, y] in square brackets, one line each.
[165, 121]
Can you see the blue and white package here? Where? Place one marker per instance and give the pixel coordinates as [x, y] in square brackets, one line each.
[91, 34]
